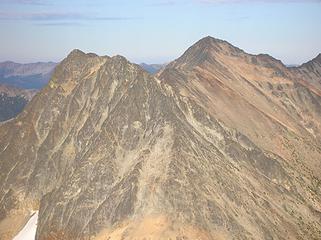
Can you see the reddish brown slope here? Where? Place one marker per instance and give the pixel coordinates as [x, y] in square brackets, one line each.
[255, 94]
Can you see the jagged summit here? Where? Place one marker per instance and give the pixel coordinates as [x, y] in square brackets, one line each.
[76, 53]
[78, 65]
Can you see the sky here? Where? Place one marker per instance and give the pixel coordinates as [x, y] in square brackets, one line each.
[157, 31]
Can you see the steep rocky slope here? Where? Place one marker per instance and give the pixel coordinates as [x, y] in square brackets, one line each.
[220, 145]
[256, 95]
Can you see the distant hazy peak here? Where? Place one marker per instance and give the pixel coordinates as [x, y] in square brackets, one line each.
[8, 64]
[11, 65]
[26, 75]
[152, 68]
[15, 91]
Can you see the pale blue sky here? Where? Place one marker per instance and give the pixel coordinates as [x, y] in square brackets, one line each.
[157, 31]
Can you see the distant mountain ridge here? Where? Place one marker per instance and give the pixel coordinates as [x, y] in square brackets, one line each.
[14, 91]
[13, 100]
[152, 68]
[19, 83]
[28, 76]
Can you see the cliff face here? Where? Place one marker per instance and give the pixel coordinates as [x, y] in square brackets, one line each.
[216, 146]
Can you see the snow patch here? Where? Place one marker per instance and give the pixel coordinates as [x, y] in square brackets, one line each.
[29, 230]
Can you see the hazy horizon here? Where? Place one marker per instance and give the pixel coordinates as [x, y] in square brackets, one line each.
[157, 31]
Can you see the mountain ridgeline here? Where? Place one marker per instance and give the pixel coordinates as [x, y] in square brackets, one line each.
[219, 144]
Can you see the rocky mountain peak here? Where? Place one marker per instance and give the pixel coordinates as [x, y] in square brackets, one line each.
[107, 151]
[211, 54]
[206, 50]
[76, 53]
[210, 41]
[217, 45]
[75, 66]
